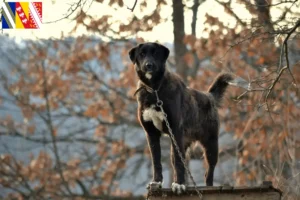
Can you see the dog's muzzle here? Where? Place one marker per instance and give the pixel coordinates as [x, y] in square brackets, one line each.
[149, 66]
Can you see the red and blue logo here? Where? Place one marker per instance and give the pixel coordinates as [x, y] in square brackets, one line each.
[21, 15]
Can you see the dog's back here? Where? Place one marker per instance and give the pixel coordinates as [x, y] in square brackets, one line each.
[199, 109]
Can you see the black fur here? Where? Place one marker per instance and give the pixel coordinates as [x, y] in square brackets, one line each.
[218, 88]
[192, 114]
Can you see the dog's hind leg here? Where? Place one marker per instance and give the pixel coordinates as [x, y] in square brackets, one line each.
[211, 152]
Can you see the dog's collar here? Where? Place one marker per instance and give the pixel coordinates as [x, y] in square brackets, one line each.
[148, 88]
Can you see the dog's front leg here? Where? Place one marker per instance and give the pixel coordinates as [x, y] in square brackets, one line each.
[153, 138]
[178, 186]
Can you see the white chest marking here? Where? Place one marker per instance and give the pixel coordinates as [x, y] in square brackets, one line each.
[157, 117]
[148, 75]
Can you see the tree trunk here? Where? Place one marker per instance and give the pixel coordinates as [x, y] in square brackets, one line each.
[195, 11]
[264, 17]
[179, 47]
[193, 71]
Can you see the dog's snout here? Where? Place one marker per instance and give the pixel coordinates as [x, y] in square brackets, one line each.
[149, 65]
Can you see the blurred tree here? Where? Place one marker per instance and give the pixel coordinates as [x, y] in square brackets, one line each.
[69, 102]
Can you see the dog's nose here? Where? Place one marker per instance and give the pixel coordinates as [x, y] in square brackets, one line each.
[149, 66]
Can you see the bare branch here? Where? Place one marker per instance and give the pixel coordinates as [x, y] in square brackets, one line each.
[53, 134]
[230, 11]
[285, 44]
[270, 5]
[71, 10]
[133, 6]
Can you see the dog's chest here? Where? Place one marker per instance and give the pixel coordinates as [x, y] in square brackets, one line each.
[150, 112]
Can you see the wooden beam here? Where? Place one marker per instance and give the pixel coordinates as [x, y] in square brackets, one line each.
[264, 192]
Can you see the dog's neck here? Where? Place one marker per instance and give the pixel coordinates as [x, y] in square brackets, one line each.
[154, 82]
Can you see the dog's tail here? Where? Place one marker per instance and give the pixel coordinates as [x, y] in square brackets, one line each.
[218, 87]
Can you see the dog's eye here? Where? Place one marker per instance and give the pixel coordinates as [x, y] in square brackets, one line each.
[142, 55]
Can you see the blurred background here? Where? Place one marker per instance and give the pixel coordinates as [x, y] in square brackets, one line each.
[68, 125]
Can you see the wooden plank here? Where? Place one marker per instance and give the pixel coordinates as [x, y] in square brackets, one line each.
[264, 192]
[223, 196]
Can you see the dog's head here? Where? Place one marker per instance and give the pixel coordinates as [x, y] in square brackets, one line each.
[149, 60]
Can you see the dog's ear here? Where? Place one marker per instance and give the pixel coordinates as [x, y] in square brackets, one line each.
[165, 51]
[133, 53]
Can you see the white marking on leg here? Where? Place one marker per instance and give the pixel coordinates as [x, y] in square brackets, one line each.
[178, 188]
[154, 185]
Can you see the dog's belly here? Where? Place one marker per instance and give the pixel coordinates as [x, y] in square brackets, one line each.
[157, 117]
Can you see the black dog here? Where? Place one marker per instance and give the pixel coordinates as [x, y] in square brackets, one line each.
[192, 115]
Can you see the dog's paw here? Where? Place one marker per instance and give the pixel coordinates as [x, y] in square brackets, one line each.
[178, 188]
[154, 185]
